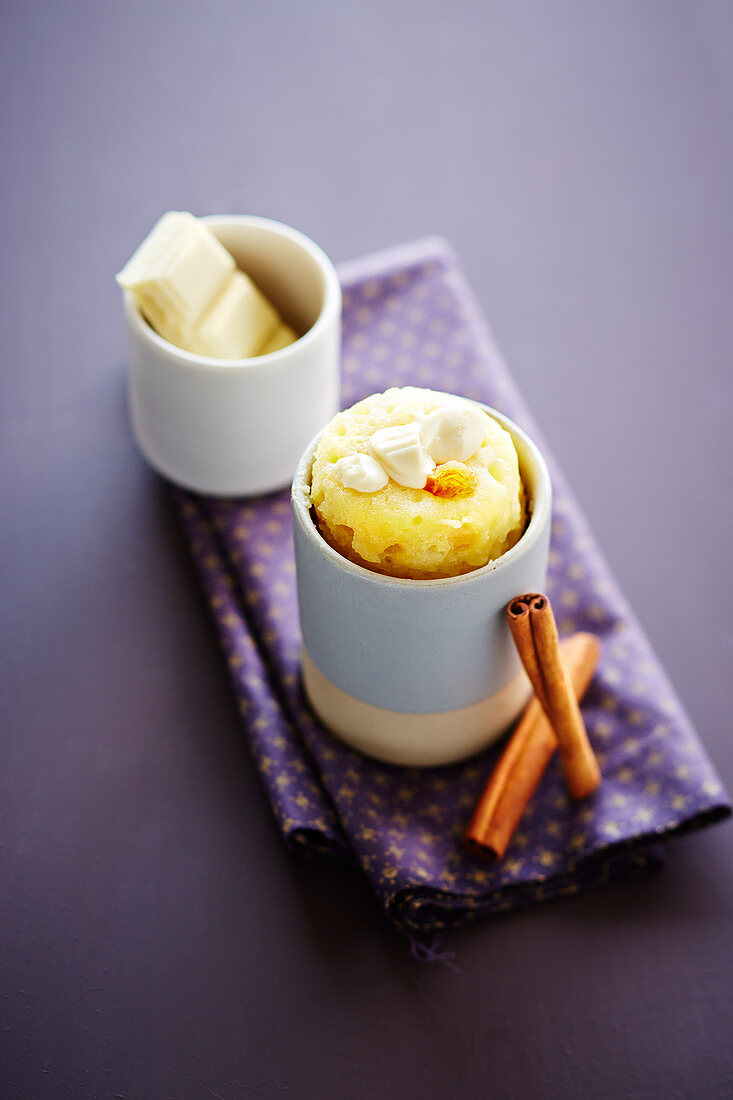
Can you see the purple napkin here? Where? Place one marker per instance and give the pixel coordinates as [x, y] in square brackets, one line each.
[410, 318]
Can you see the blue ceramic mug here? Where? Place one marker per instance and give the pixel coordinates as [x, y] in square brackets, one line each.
[417, 673]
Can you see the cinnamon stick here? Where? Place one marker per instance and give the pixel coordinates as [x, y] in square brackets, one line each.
[533, 627]
[527, 754]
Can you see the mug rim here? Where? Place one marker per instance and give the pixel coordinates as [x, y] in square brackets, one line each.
[258, 363]
[541, 508]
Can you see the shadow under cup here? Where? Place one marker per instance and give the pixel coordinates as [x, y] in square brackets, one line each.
[417, 673]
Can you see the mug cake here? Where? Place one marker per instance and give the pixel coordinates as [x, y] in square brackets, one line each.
[418, 484]
[417, 517]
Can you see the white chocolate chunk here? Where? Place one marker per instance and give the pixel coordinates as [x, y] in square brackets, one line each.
[399, 450]
[282, 337]
[179, 269]
[187, 286]
[239, 321]
[361, 472]
[149, 258]
[167, 324]
[454, 432]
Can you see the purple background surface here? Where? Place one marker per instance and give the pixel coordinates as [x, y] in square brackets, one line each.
[157, 939]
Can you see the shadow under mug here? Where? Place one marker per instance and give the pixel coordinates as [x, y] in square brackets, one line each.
[236, 427]
[417, 673]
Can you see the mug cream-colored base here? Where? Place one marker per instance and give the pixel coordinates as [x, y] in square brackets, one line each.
[414, 740]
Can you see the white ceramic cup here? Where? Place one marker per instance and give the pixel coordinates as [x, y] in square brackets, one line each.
[236, 427]
[417, 673]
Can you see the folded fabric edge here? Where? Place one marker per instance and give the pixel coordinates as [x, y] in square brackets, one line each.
[192, 510]
[410, 254]
[425, 909]
[312, 842]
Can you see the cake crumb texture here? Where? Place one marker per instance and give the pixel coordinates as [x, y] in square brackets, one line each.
[413, 533]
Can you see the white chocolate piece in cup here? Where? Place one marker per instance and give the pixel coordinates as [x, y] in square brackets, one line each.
[454, 432]
[166, 324]
[282, 337]
[361, 472]
[177, 271]
[187, 286]
[238, 323]
[237, 428]
[399, 450]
